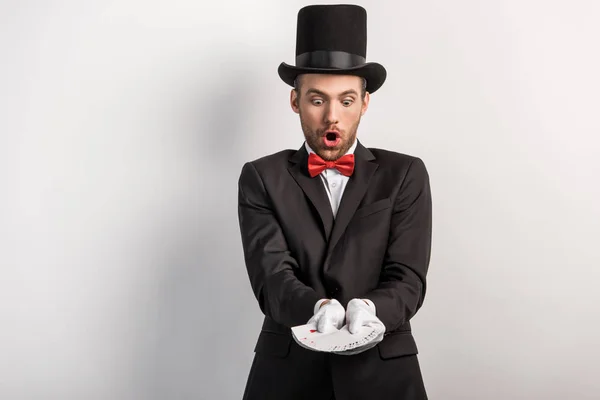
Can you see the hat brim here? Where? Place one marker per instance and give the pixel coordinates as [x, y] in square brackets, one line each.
[374, 73]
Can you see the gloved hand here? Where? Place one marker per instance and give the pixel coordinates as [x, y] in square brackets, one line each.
[361, 312]
[329, 317]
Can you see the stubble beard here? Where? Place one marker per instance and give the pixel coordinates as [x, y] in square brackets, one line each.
[315, 140]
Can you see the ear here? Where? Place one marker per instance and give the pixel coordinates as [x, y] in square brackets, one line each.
[365, 104]
[294, 101]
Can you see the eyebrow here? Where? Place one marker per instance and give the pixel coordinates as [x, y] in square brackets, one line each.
[344, 93]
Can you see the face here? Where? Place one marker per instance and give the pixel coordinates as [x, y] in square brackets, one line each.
[330, 108]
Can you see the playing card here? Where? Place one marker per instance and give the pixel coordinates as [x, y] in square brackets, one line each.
[338, 341]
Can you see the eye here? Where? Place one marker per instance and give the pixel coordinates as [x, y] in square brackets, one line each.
[317, 102]
[347, 102]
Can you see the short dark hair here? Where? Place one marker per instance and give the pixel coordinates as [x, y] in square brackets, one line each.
[363, 91]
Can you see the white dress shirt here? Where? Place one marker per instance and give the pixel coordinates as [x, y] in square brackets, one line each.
[334, 181]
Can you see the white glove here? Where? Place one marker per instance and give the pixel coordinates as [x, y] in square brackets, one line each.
[328, 318]
[360, 313]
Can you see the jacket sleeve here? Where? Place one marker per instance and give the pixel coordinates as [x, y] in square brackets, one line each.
[402, 283]
[270, 265]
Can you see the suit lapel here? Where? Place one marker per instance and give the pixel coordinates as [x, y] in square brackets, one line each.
[312, 188]
[353, 193]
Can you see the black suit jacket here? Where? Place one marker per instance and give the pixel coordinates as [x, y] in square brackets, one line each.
[377, 247]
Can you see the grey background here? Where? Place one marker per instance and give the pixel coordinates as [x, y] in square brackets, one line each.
[124, 126]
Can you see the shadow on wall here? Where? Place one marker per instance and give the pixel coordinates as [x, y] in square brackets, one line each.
[195, 351]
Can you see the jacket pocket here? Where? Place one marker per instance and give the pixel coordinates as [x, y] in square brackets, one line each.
[372, 208]
[397, 344]
[273, 344]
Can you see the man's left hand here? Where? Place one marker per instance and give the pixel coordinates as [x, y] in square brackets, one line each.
[361, 312]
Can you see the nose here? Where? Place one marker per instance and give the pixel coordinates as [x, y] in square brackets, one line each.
[331, 114]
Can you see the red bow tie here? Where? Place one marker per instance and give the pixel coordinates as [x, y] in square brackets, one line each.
[344, 164]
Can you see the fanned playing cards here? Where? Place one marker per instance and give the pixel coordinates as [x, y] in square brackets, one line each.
[339, 341]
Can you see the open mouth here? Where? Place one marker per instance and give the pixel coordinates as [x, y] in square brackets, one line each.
[331, 138]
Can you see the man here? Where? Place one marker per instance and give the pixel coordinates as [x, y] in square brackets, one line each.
[335, 233]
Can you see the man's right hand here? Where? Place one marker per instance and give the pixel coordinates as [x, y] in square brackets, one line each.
[328, 315]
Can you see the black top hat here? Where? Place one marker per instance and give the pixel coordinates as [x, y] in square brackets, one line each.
[332, 39]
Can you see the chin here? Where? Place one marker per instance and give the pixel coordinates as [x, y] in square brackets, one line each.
[331, 153]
